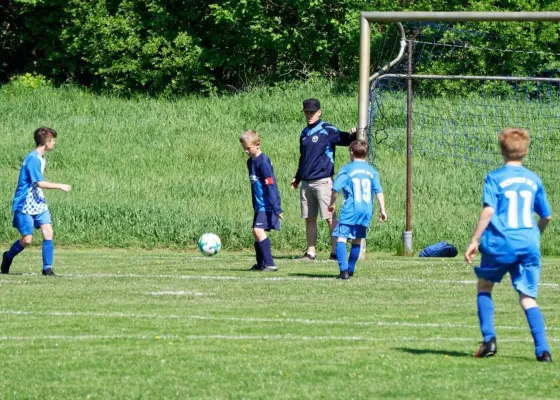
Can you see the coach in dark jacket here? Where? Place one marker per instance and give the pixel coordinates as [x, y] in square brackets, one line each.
[317, 146]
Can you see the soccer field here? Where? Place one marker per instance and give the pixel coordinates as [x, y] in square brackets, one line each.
[161, 324]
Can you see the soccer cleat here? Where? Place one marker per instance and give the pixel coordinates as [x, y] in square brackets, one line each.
[255, 268]
[269, 268]
[6, 263]
[343, 275]
[545, 357]
[48, 272]
[332, 257]
[350, 273]
[307, 257]
[487, 349]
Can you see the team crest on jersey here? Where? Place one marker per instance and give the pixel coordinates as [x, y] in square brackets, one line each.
[315, 139]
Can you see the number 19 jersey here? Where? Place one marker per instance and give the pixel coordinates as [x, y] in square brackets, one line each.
[358, 181]
[516, 194]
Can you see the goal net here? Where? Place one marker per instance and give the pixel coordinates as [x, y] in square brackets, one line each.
[455, 86]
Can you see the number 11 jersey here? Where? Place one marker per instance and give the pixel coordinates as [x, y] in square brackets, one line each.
[516, 194]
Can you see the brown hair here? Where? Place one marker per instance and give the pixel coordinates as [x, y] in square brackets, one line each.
[514, 143]
[42, 135]
[250, 136]
[359, 148]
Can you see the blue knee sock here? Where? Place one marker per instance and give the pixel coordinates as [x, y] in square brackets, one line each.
[353, 258]
[486, 315]
[14, 250]
[266, 251]
[48, 254]
[341, 255]
[258, 252]
[536, 323]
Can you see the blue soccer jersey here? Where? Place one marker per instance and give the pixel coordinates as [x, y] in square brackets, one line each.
[359, 182]
[29, 198]
[264, 190]
[516, 194]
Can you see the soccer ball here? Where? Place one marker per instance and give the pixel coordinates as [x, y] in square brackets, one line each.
[209, 244]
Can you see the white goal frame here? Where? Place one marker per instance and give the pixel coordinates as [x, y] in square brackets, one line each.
[365, 64]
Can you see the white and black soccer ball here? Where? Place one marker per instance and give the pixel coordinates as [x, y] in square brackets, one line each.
[209, 244]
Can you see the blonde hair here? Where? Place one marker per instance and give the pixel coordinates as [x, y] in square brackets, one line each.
[250, 136]
[514, 143]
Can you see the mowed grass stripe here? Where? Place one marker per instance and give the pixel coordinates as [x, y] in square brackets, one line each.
[248, 320]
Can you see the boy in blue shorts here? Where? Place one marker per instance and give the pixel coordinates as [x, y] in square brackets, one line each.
[358, 181]
[29, 205]
[508, 238]
[266, 199]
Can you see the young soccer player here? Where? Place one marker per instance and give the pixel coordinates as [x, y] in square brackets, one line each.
[358, 181]
[266, 199]
[508, 238]
[29, 205]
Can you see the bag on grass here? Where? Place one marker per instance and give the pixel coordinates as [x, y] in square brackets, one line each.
[441, 249]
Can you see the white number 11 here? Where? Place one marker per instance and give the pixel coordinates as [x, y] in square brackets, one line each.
[527, 197]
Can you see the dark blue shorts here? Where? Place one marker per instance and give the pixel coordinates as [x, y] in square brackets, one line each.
[266, 220]
[25, 223]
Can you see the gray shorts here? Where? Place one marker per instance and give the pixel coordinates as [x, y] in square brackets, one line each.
[315, 196]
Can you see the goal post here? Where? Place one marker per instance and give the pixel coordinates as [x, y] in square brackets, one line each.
[366, 77]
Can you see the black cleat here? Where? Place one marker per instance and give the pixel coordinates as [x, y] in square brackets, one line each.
[255, 268]
[350, 273]
[332, 257]
[307, 257]
[6, 263]
[487, 349]
[269, 268]
[48, 272]
[545, 357]
[343, 275]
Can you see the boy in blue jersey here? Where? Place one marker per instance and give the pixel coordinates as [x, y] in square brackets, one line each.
[29, 205]
[266, 199]
[508, 238]
[358, 181]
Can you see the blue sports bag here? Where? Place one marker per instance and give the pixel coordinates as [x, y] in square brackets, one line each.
[441, 249]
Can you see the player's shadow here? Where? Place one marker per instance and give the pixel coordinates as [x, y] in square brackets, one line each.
[432, 351]
[307, 275]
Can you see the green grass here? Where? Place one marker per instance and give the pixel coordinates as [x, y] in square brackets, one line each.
[161, 324]
[149, 173]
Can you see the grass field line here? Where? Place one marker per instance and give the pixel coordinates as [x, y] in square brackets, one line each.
[301, 321]
[260, 277]
[286, 337]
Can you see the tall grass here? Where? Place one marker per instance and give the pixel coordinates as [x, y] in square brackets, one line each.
[153, 173]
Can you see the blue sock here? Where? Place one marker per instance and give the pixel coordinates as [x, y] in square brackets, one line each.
[341, 255]
[486, 315]
[48, 254]
[14, 250]
[353, 258]
[266, 251]
[536, 323]
[259, 254]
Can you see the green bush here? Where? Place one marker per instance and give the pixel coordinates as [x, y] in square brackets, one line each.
[172, 47]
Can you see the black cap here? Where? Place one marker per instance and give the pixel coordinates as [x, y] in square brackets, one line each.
[311, 105]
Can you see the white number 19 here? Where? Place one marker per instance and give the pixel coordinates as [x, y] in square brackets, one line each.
[362, 190]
